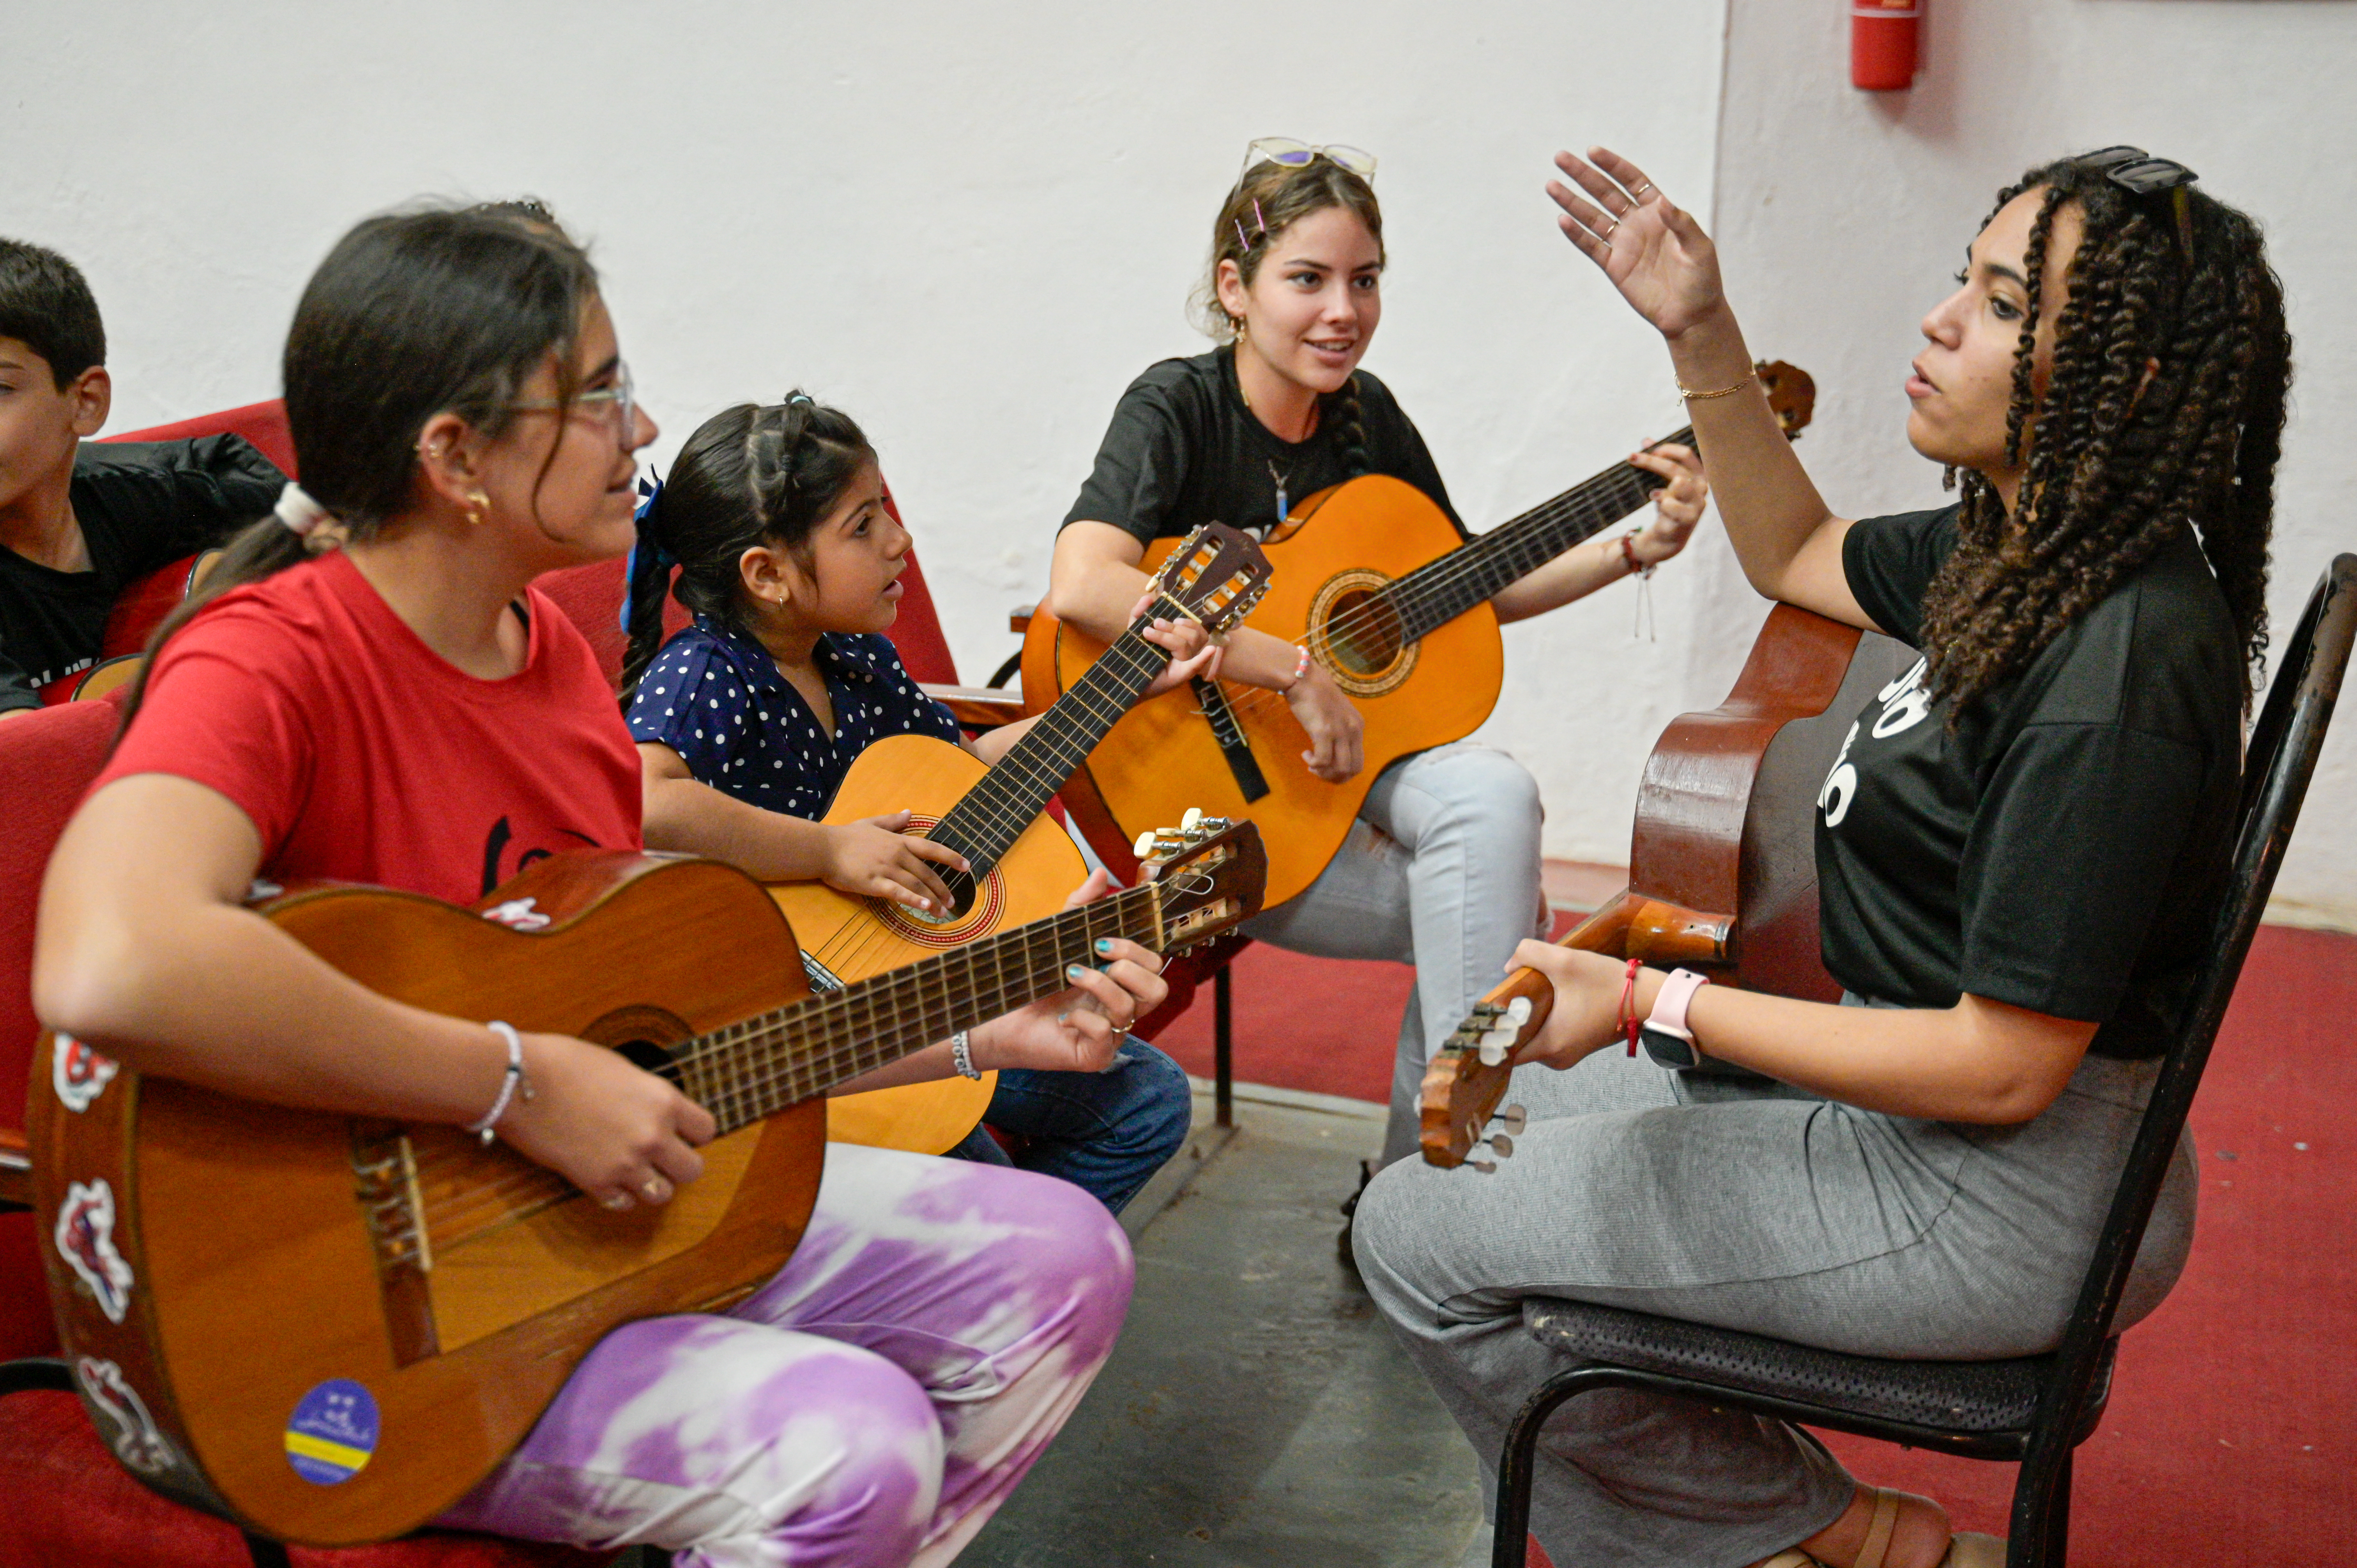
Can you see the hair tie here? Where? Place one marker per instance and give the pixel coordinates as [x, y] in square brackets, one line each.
[300, 513]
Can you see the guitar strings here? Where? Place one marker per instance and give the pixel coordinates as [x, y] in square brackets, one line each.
[1589, 505]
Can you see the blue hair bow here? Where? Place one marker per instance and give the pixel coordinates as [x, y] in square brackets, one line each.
[663, 559]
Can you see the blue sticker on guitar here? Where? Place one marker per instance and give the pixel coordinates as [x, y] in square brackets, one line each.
[332, 1433]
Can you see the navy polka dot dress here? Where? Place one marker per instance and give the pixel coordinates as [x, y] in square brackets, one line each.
[715, 696]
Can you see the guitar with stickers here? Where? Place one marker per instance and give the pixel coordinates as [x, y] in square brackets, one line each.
[327, 1329]
[1722, 861]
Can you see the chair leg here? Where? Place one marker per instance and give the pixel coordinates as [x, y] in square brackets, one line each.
[265, 1553]
[1224, 1048]
[1520, 1458]
[2041, 1512]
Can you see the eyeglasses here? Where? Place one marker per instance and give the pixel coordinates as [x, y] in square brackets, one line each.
[2138, 173]
[622, 397]
[1291, 153]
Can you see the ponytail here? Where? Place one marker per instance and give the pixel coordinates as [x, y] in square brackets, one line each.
[413, 314]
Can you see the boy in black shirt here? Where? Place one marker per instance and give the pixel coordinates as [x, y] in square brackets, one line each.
[76, 525]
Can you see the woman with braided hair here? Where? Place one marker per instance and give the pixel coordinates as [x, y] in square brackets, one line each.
[2017, 852]
[1441, 870]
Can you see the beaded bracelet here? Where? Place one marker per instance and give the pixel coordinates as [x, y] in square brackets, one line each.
[962, 1056]
[516, 1079]
[1300, 668]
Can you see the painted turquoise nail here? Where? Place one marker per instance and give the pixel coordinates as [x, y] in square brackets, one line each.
[1074, 973]
[1105, 944]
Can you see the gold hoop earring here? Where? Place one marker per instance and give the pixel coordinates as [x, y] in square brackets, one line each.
[478, 510]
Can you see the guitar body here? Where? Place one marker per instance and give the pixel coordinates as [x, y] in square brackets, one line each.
[1162, 758]
[854, 938]
[138, 610]
[235, 1272]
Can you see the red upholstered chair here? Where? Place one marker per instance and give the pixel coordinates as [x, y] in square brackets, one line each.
[263, 424]
[64, 1500]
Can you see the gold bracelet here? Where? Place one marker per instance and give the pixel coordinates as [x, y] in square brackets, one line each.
[1691, 396]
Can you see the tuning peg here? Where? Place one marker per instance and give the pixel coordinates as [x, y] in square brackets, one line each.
[1503, 1145]
[1194, 814]
[1144, 848]
[1487, 1167]
[1514, 1119]
[1492, 1053]
[1215, 824]
[1518, 1011]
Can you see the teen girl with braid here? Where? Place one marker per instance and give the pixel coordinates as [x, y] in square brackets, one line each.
[789, 553]
[1441, 870]
[2019, 851]
[372, 690]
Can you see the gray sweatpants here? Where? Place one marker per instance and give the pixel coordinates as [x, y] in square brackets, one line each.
[1441, 871]
[1750, 1206]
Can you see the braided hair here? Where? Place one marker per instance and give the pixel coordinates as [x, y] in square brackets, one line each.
[2116, 465]
[751, 475]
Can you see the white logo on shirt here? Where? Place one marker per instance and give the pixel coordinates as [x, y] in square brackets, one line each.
[1905, 704]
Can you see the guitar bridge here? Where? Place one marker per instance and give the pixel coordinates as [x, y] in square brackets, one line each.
[384, 1181]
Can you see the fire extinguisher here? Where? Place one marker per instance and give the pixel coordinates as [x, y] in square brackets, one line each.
[1882, 43]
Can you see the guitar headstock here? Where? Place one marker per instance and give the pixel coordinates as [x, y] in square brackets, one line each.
[1791, 395]
[1216, 575]
[1469, 1075]
[1209, 873]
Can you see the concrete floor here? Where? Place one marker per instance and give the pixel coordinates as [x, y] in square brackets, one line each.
[1256, 1413]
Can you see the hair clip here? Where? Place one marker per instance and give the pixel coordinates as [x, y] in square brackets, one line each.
[1260, 229]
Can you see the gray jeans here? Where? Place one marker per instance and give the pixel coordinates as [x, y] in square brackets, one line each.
[1441, 871]
[1752, 1206]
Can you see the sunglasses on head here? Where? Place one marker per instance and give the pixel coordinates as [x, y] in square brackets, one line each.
[2138, 173]
[1290, 154]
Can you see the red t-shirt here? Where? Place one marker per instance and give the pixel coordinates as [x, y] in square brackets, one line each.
[363, 756]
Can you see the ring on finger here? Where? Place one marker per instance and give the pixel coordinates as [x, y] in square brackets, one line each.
[1607, 235]
[1638, 195]
[655, 1188]
[615, 1200]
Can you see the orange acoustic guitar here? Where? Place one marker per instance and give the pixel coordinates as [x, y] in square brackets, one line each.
[1024, 865]
[1374, 581]
[326, 1329]
[1722, 864]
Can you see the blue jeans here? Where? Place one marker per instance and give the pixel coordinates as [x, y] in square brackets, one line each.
[1106, 1132]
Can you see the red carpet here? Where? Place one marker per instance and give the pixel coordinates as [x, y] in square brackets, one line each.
[2231, 1437]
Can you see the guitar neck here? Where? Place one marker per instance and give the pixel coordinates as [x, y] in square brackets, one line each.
[985, 824]
[1442, 590]
[749, 1070]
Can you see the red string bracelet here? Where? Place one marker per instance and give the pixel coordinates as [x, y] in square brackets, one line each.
[1628, 553]
[1631, 1023]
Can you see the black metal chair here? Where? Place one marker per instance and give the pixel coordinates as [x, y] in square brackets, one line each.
[2035, 1409]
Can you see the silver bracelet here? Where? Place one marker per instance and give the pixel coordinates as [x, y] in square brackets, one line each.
[516, 1079]
[961, 1056]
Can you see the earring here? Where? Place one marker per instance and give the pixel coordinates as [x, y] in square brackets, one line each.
[1243, 330]
[479, 507]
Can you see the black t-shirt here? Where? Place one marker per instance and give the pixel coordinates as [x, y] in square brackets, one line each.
[2061, 849]
[141, 505]
[1183, 450]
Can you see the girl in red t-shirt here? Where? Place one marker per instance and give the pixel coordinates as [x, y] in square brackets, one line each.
[374, 691]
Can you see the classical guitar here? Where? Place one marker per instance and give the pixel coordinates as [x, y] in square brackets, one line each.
[138, 610]
[1722, 864]
[1374, 582]
[1024, 865]
[326, 1329]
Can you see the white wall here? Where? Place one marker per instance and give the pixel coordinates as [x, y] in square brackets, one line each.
[970, 226]
[1842, 216]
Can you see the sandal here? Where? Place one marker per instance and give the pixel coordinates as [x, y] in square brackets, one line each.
[1967, 1549]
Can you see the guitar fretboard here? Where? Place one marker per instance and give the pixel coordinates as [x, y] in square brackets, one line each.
[751, 1068]
[1439, 591]
[985, 823]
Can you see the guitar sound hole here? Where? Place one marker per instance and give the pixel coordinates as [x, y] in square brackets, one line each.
[1362, 633]
[652, 1058]
[962, 893]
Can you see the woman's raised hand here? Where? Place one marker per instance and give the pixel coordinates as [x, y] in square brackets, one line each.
[1655, 252]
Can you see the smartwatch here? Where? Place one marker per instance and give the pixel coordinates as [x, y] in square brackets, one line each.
[1665, 1036]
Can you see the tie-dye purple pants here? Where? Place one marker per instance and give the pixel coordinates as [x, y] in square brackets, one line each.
[870, 1407]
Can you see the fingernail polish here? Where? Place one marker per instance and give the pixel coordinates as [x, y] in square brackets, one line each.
[1074, 972]
[1105, 944]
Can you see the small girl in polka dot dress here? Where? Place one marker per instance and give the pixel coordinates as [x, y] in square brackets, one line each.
[775, 521]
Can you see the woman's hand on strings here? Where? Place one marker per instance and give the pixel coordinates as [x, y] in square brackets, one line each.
[877, 857]
[1676, 508]
[1333, 723]
[619, 1133]
[1655, 252]
[1193, 651]
[1080, 1027]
